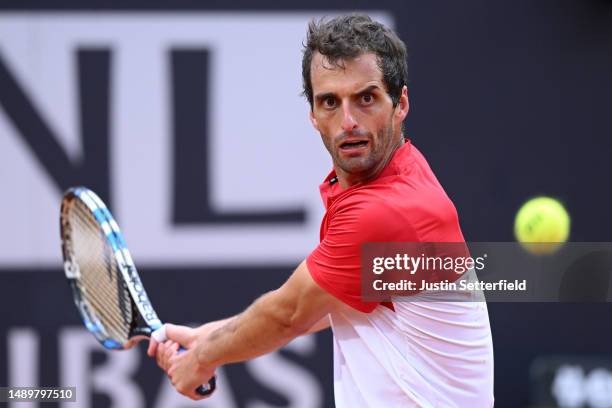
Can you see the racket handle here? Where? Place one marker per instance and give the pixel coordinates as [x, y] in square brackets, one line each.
[205, 389]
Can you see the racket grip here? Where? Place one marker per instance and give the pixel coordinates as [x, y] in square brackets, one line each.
[205, 389]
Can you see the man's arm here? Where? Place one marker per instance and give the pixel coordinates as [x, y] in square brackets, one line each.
[298, 307]
[271, 321]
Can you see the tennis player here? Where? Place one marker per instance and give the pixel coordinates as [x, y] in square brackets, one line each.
[381, 189]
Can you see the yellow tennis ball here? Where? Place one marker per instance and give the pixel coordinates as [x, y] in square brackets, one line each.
[542, 225]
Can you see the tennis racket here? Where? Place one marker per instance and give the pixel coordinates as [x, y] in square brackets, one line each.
[105, 285]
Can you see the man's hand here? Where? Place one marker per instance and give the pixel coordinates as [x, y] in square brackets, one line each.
[163, 351]
[184, 370]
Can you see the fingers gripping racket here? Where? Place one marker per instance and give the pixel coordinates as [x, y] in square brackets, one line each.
[105, 284]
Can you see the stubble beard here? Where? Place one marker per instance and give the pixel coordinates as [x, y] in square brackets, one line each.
[368, 166]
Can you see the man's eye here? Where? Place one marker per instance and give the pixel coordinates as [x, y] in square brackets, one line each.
[367, 99]
[329, 102]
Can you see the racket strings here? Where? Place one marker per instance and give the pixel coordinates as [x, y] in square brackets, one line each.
[100, 282]
[101, 276]
[96, 288]
[96, 283]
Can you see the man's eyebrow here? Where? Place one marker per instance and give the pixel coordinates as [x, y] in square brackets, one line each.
[325, 95]
[367, 89]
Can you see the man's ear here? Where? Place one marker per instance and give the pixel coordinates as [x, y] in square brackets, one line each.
[313, 120]
[403, 105]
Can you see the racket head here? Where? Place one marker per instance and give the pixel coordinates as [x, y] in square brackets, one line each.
[106, 288]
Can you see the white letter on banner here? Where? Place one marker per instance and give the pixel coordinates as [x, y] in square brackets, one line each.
[297, 384]
[169, 397]
[113, 378]
[23, 351]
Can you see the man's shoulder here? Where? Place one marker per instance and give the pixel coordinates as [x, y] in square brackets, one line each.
[368, 198]
[399, 206]
[372, 212]
[399, 196]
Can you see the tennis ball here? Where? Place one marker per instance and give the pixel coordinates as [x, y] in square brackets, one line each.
[542, 225]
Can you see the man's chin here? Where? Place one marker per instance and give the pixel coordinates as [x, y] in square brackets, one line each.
[356, 167]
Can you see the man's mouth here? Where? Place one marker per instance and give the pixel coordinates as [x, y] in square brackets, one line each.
[353, 144]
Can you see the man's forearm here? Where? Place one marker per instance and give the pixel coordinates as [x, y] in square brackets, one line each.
[264, 327]
[269, 323]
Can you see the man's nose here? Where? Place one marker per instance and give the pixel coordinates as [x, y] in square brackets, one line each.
[348, 120]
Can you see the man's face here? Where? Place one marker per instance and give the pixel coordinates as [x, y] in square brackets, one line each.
[355, 116]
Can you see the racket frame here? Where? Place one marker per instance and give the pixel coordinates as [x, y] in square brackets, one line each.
[145, 320]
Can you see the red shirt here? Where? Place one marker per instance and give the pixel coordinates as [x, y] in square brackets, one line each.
[405, 203]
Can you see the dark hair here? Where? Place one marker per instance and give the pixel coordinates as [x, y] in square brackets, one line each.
[347, 37]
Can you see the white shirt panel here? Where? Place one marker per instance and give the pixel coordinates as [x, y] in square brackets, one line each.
[425, 354]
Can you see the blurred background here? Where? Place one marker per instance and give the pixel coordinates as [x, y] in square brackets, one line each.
[187, 119]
